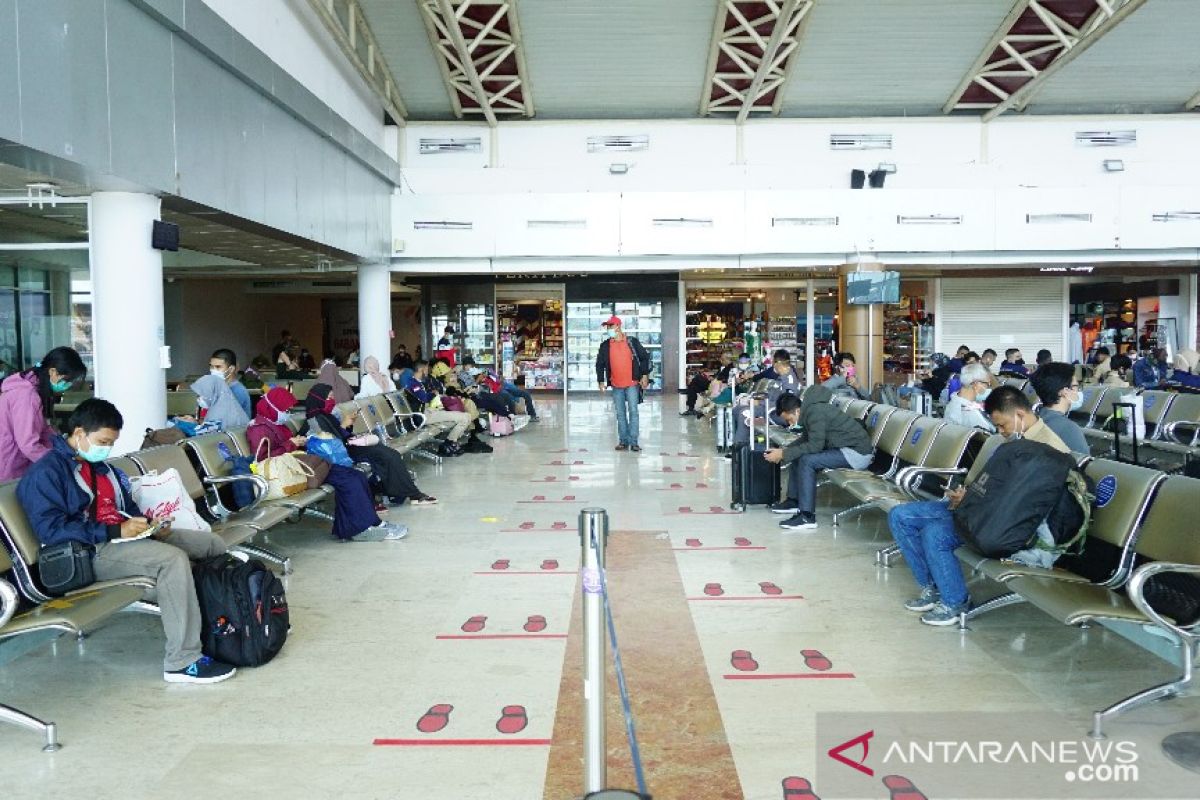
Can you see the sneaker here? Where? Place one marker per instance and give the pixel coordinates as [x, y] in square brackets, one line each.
[942, 615]
[621, 447]
[803, 521]
[687, 413]
[788, 506]
[635, 448]
[424, 500]
[202, 670]
[926, 600]
[383, 532]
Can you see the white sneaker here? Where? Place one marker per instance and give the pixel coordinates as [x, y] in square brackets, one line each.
[519, 421]
[383, 532]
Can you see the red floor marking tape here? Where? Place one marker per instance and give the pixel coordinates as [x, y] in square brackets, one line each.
[564, 464]
[552, 479]
[740, 547]
[461, 742]
[542, 500]
[763, 597]
[786, 676]
[465, 636]
[537, 571]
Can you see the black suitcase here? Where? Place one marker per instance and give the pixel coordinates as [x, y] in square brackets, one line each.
[755, 480]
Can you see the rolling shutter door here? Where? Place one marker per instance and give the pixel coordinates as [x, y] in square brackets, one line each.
[999, 313]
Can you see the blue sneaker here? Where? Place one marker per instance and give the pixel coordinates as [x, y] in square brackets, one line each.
[943, 616]
[926, 600]
[202, 670]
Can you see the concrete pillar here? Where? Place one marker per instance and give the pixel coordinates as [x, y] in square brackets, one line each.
[375, 313]
[861, 329]
[127, 312]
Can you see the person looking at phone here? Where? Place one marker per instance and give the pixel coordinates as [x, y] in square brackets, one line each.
[72, 495]
[844, 380]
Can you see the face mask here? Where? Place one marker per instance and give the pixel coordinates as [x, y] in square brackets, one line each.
[983, 395]
[330, 404]
[851, 370]
[220, 373]
[1020, 361]
[95, 453]
[612, 333]
[1077, 403]
[58, 387]
[1018, 433]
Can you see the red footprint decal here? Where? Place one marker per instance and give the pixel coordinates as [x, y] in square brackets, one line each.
[550, 563]
[535, 624]
[717, 509]
[769, 588]
[743, 661]
[436, 718]
[701, 485]
[667, 469]
[689, 469]
[513, 719]
[692, 542]
[559, 526]
[568, 497]
[742, 541]
[525, 526]
[500, 564]
[676, 485]
[815, 659]
[539, 497]
[795, 788]
[474, 624]
[902, 788]
[573, 478]
[713, 589]
[685, 509]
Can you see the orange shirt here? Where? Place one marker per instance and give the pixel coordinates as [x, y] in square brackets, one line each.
[620, 363]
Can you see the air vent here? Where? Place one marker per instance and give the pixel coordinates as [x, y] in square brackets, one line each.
[551, 224]
[1052, 219]
[332, 284]
[1105, 138]
[473, 144]
[442, 225]
[792, 222]
[617, 144]
[683, 222]
[929, 219]
[271, 284]
[1177, 216]
[860, 141]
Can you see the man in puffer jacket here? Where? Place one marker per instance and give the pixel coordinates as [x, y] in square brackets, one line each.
[831, 440]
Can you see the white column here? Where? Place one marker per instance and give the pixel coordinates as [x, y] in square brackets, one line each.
[127, 312]
[375, 313]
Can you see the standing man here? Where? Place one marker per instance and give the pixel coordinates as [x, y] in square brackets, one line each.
[624, 365]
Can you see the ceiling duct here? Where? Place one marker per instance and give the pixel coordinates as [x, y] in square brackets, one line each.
[617, 144]
[1051, 219]
[1105, 138]
[929, 219]
[860, 141]
[792, 222]
[442, 225]
[472, 144]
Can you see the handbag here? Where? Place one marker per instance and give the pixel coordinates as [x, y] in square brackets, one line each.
[500, 426]
[330, 448]
[319, 466]
[452, 403]
[286, 475]
[161, 495]
[243, 491]
[65, 567]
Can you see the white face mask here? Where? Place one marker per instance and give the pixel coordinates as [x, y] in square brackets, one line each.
[220, 373]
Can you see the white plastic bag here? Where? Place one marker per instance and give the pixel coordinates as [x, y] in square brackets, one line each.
[162, 494]
[1135, 421]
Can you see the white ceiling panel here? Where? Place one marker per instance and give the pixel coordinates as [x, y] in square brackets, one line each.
[872, 58]
[1148, 63]
[597, 59]
[401, 35]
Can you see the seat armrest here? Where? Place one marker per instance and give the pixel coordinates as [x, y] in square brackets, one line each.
[1137, 593]
[8, 602]
[260, 484]
[908, 478]
[1169, 431]
[420, 424]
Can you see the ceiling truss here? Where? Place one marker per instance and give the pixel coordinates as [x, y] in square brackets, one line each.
[345, 20]
[1038, 38]
[751, 52]
[479, 51]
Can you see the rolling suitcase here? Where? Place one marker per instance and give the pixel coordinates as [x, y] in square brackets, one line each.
[756, 481]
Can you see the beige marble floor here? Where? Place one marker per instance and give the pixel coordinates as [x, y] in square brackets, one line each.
[365, 662]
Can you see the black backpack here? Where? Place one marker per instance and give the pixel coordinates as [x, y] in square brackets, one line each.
[1022, 484]
[243, 610]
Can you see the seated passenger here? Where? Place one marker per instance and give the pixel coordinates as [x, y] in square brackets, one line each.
[966, 405]
[223, 363]
[331, 375]
[287, 364]
[424, 395]
[960, 359]
[387, 465]
[1120, 373]
[782, 380]
[1152, 370]
[700, 383]
[215, 398]
[844, 380]
[26, 401]
[1013, 362]
[831, 440]
[925, 531]
[1103, 364]
[374, 381]
[509, 389]
[402, 360]
[354, 517]
[72, 495]
[988, 359]
[1058, 390]
[955, 382]
[1043, 358]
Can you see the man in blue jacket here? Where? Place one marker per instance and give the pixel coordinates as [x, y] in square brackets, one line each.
[71, 495]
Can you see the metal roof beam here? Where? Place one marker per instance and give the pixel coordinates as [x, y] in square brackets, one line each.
[348, 30]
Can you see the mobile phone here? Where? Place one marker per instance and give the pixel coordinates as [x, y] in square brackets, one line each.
[955, 483]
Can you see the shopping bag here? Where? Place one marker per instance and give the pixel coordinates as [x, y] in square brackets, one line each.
[1135, 422]
[330, 448]
[285, 474]
[160, 495]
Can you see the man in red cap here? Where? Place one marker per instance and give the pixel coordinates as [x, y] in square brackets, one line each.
[624, 365]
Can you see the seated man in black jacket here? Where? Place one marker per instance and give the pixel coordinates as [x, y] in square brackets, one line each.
[831, 440]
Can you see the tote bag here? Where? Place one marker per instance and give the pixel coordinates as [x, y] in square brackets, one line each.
[162, 494]
[286, 475]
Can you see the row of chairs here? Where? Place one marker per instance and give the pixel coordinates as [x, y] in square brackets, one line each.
[1140, 528]
[207, 478]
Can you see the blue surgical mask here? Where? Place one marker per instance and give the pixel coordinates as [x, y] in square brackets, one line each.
[95, 452]
[981, 396]
[1077, 403]
[612, 333]
[220, 373]
[282, 418]
[58, 387]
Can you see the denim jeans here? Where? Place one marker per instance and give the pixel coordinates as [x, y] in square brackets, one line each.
[925, 534]
[802, 476]
[513, 390]
[625, 403]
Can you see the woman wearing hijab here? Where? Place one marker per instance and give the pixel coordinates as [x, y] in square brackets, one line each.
[374, 380]
[214, 394]
[354, 517]
[387, 465]
[329, 374]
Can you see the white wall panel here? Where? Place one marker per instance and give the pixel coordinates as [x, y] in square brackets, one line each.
[724, 235]
[1014, 232]
[1137, 227]
[999, 313]
[600, 215]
